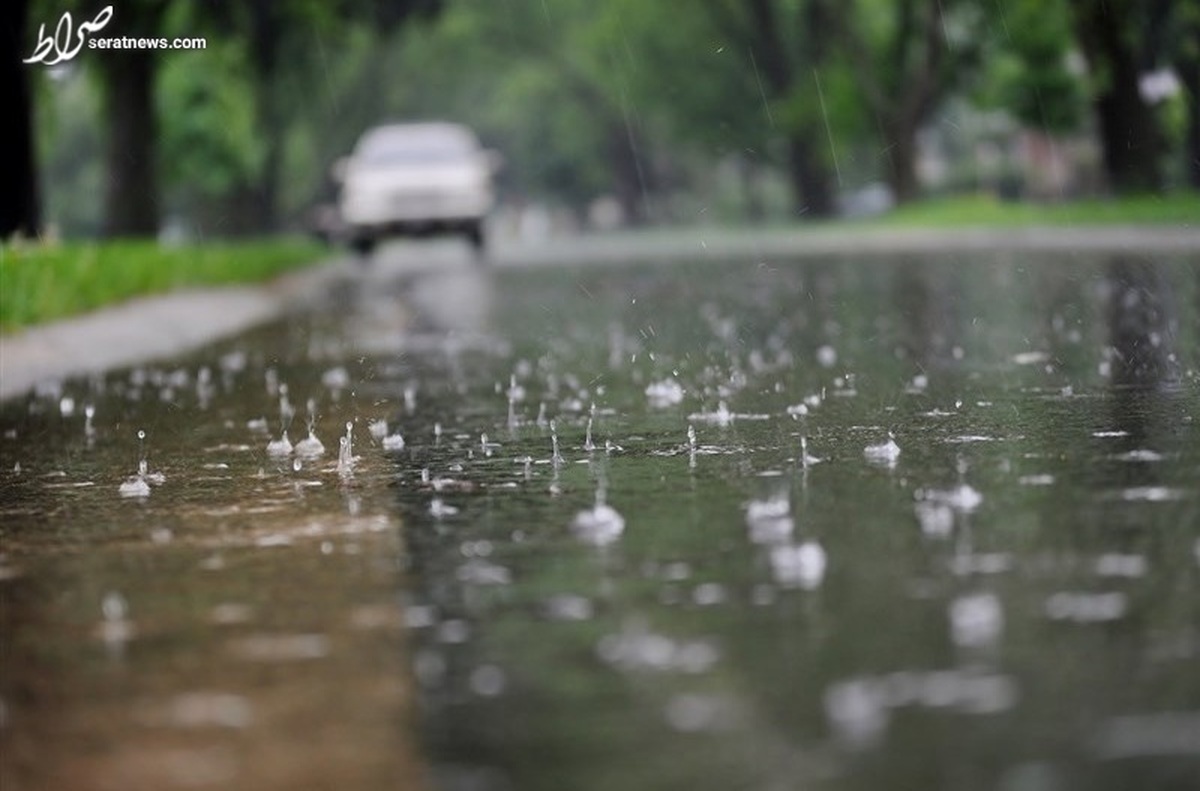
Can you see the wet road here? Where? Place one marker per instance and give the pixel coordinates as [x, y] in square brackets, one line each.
[634, 526]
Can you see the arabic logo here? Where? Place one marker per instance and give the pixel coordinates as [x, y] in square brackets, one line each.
[59, 43]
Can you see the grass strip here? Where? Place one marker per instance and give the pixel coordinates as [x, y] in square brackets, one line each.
[988, 211]
[43, 282]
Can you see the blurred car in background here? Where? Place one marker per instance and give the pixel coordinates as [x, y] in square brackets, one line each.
[415, 179]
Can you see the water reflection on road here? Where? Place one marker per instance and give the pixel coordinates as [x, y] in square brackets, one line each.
[637, 534]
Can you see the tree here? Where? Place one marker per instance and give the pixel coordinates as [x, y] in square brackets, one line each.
[1186, 48]
[908, 55]
[789, 47]
[131, 123]
[275, 34]
[1029, 74]
[1113, 37]
[19, 202]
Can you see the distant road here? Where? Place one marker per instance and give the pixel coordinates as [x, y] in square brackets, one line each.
[166, 326]
[848, 240]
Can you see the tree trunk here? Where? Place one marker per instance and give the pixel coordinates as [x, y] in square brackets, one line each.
[1130, 139]
[19, 205]
[1190, 76]
[265, 28]
[902, 161]
[131, 207]
[1187, 66]
[812, 181]
[629, 181]
[754, 211]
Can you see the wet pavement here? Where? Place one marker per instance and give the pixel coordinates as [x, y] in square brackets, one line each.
[767, 522]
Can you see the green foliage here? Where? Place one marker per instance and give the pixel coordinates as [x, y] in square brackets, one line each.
[209, 142]
[989, 211]
[71, 170]
[39, 283]
[1030, 73]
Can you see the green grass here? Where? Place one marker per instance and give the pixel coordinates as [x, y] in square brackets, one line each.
[987, 211]
[40, 283]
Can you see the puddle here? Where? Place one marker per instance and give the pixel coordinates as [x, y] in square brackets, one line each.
[847, 525]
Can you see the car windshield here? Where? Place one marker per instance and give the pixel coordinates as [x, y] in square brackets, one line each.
[401, 148]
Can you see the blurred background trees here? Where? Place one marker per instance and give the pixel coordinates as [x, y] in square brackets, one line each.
[620, 111]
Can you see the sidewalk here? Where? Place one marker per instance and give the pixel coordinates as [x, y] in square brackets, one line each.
[149, 328]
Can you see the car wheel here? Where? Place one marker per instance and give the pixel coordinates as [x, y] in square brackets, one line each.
[477, 239]
[363, 245]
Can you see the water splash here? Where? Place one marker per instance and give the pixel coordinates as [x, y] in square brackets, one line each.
[115, 628]
[310, 447]
[555, 457]
[393, 442]
[976, 620]
[799, 565]
[346, 457]
[884, 453]
[665, 393]
[769, 521]
[588, 445]
[134, 487]
[806, 460]
[282, 447]
[515, 392]
[138, 485]
[600, 524]
[378, 429]
[721, 417]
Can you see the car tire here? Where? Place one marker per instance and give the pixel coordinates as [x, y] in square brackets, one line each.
[477, 239]
[363, 245]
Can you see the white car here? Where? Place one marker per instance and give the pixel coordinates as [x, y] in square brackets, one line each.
[416, 179]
